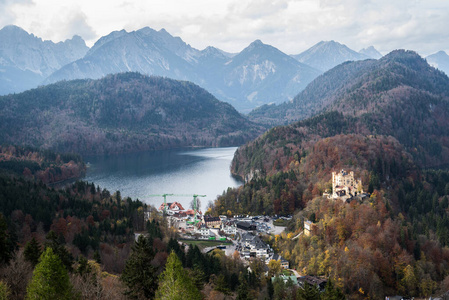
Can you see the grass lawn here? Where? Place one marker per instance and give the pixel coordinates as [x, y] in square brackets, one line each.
[204, 243]
[280, 222]
[287, 272]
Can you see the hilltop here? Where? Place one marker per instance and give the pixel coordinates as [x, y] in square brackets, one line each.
[121, 113]
[386, 121]
[363, 87]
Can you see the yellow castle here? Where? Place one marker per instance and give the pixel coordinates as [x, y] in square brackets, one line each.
[344, 185]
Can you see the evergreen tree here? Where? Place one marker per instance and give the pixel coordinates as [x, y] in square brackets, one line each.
[32, 252]
[83, 266]
[173, 245]
[57, 244]
[139, 274]
[270, 288]
[332, 293]
[97, 256]
[308, 292]
[50, 279]
[221, 284]
[279, 290]
[174, 282]
[242, 290]
[4, 291]
[7, 245]
[154, 229]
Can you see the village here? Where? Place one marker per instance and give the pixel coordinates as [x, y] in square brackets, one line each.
[245, 234]
[236, 234]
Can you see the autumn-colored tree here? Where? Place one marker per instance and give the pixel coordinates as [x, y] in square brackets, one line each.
[17, 275]
[87, 279]
[274, 268]
[409, 282]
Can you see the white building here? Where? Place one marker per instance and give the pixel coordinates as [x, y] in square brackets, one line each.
[229, 228]
[204, 231]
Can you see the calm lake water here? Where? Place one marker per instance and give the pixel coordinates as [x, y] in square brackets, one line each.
[192, 171]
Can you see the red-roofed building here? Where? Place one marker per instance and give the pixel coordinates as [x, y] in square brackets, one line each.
[172, 207]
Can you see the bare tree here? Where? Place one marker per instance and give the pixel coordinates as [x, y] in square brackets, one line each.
[17, 275]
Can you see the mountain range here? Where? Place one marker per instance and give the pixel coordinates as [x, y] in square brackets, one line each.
[349, 80]
[387, 122]
[258, 75]
[326, 55]
[399, 95]
[439, 60]
[125, 112]
[26, 60]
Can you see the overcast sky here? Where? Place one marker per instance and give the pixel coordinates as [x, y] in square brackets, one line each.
[289, 25]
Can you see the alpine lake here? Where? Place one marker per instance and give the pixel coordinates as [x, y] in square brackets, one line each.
[148, 175]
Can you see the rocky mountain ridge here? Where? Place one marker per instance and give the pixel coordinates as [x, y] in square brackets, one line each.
[26, 60]
[257, 75]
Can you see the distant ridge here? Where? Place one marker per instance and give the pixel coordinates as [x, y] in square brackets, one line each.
[439, 60]
[26, 60]
[257, 75]
[399, 95]
[126, 112]
[371, 52]
[327, 54]
[337, 84]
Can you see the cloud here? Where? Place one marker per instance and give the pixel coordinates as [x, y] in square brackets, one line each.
[77, 25]
[7, 14]
[290, 25]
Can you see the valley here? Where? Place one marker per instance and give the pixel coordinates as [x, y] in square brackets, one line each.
[142, 116]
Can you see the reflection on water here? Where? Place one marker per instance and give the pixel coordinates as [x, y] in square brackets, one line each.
[197, 171]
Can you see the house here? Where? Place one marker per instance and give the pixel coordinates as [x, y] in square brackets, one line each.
[344, 185]
[212, 222]
[257, 247]
[284, 263]
[312, 280]
[229, 228]
[246, 226]
[171, 208]
[309, 227]
[245, 254]
[204, 231]
[190, 212]
[286, 278]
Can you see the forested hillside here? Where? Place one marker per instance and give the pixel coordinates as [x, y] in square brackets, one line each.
[44, 165]
[86, 236]
[399, 95]
[389, 126]
[121, 113]
[393, 242]
[361, 86]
